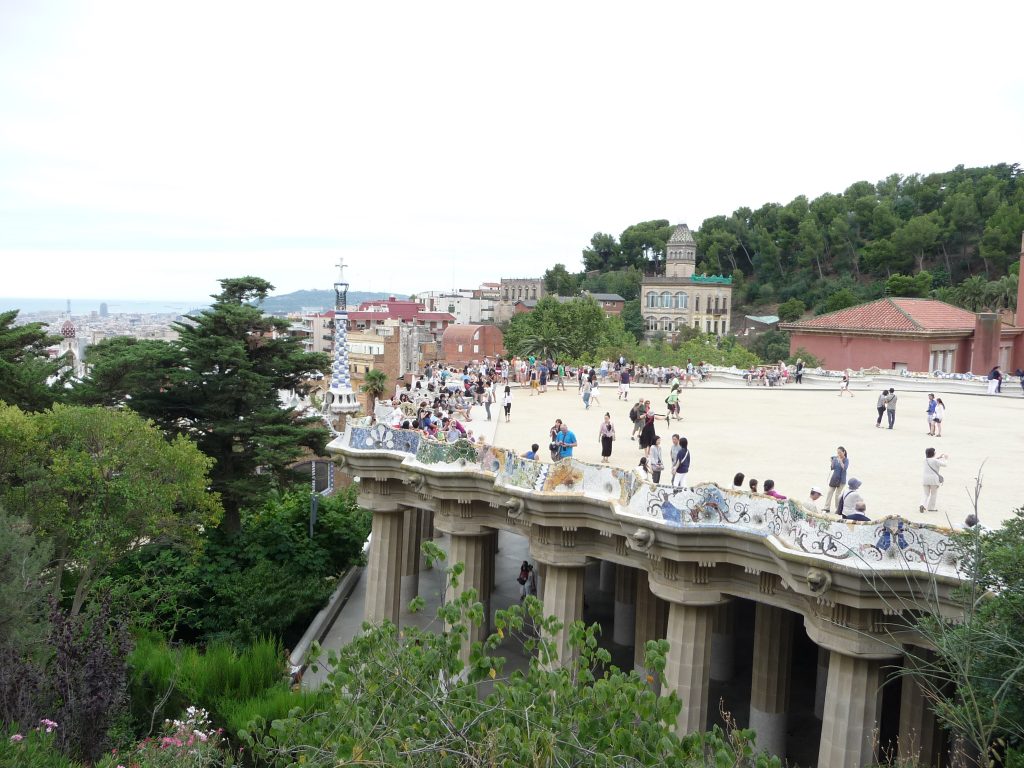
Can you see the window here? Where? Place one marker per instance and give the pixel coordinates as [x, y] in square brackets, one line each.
[724, 304]
[696, 324]
[476, 348]
[708, 325]
[696, 303]
[716, 303]
[652, 323]
[652, 299]
[460, 347]
[667, 322]
[682, 300]
[534, 292]
[666, 299]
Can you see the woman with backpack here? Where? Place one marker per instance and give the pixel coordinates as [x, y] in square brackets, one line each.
[683, 465]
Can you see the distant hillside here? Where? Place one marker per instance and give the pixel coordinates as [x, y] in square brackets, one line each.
[301, 300]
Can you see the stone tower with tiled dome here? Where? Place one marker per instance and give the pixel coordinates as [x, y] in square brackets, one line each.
[681, 253]
[681, 298]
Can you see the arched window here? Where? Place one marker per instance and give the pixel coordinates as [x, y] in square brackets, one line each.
[666, 299]
[652, 299]
[666, 323]
[682, 300]
[652, 323]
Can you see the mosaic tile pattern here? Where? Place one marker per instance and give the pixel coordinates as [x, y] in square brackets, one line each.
[431, 452]
[892, 542]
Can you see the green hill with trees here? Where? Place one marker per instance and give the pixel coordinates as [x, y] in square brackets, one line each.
[953, 235]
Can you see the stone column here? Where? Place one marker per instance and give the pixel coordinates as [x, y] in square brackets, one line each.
[623, 629]
[384, 567]
[471, 551]
[411, 529]
[646, 621]
[723, 643]
[487, 578]
[563, 598]
[820, 682]
[769, 683]
[606, 580]
[851, 711]
[426, 534]
[688, 664]
[920, 737]
[494, 549]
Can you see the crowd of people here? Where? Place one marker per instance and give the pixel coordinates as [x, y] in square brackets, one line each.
[440, 405]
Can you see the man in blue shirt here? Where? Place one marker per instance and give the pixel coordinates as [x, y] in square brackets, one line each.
[566, 441]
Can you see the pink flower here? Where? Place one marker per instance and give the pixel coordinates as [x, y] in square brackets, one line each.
[17, 737]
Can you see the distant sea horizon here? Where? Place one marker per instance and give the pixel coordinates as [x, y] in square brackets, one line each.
[114, 306]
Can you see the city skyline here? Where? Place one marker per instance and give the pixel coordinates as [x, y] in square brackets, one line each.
[151, 151]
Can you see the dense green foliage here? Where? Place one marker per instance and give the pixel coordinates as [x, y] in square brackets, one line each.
[25, 367]
[165, 681]
[95, 482]
[572, 329]
[218, 384]
[840, 249]
[270, 578]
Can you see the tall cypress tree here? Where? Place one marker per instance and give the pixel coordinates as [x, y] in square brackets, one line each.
[219, 384]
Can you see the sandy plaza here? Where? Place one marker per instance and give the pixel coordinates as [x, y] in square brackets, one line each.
[789, 435]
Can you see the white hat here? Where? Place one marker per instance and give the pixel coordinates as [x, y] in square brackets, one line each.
[816, 489]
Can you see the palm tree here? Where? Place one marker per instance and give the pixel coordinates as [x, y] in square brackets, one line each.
[971, 293]
[544, 344]
[375, 384]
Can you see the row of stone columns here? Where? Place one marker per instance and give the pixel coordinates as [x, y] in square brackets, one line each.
[701, 640]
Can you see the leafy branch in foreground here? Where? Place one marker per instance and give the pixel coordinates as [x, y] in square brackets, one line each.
[406, 697]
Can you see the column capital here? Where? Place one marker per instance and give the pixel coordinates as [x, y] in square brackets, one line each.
[685, 591]
[851, 639]
[455, 517]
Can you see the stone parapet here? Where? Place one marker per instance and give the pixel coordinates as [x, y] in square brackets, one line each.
[850, 581]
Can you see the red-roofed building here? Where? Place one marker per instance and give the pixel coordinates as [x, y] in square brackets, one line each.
[907, 334]
[372, 315]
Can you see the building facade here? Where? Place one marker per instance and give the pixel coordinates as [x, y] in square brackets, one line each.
[681, 299]
[517, 289]
[468, 307]
[906, 334]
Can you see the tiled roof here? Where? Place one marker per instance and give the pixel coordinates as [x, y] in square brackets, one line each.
[681, 236]
[897, 315]
[605, 297]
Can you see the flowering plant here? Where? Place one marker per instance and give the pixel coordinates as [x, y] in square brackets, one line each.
[187, 743]
[32, 747]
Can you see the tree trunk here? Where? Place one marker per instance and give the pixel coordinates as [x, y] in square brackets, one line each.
[80, 590]
[58, 577]
[232, 520]
[949, 268]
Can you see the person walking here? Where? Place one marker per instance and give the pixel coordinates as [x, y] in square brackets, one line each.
[840, 465]
[507, 402]
[890, 407]
[940, 414]
[638, 413]
[606, 436]
[930, 414]
[655, 461]
[880, 407]
[595, 393]
[932, 479]
[844, 385]
[799, 378]
[683, 465]
[672, 401]
[586, 389]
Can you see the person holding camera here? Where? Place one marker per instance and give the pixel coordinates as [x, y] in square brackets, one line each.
[932, 478]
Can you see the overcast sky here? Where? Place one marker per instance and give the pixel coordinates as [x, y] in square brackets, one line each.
[148, 149]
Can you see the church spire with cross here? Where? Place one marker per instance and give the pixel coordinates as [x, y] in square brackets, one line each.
[340, 397]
